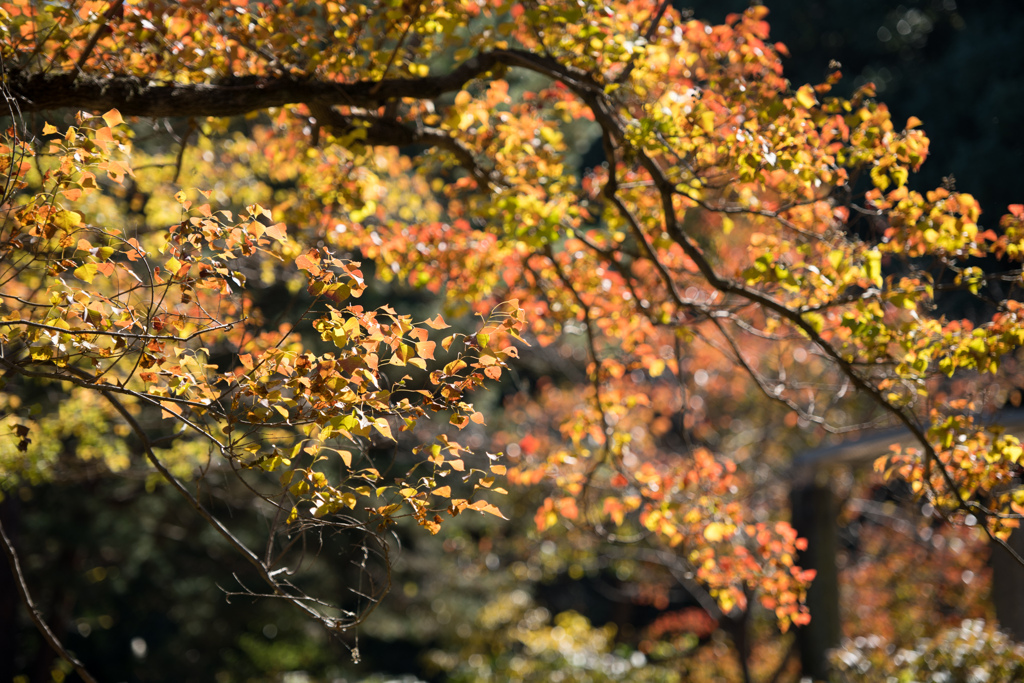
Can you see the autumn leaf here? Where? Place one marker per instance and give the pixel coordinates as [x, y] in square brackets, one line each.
[86, 272]
[113, 118]
[381, 425]
[805, 96]
[277, 231]
[436, 323]
[715, 532]
[484, 506]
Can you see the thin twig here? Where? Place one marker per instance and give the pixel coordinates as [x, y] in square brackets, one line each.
[181, 150]
[34, 613]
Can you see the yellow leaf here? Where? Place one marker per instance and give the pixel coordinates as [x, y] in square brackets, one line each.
[67, 219]
[346, 457]
[835, 257]
[86, 272]
[381, 423]
[707, 121]
[874, 266]
[805, 96]
[715, 531]
[816, 320]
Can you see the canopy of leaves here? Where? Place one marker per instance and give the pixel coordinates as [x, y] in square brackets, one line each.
[746, 242]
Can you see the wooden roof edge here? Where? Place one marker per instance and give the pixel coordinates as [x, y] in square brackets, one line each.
[872, 445]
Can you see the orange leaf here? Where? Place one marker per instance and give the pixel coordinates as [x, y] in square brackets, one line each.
[113, 118]
[425, 349]
[436, 323]
[277, 231]
[484, 506]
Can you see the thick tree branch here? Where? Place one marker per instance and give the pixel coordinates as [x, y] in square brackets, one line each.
[134, 96]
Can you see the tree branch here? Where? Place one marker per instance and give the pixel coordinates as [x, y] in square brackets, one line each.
[112, 11]
[217, 525]
[135, 96]
[33, 611]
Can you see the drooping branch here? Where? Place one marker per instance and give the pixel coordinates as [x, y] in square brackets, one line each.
[278, 589]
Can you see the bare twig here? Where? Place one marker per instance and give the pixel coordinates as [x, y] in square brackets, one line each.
[37, 618]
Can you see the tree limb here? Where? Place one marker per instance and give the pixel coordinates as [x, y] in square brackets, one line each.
[134, 96]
